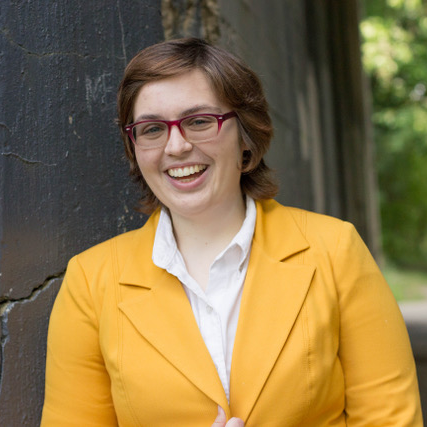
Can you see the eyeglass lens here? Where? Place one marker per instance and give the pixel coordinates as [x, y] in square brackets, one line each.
[193, 129]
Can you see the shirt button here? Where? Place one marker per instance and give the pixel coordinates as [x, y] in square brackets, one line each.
[209, 309]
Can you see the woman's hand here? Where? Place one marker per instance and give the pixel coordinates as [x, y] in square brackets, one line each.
[220, 420]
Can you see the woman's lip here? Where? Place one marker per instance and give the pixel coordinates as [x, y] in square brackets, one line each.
[188, 182]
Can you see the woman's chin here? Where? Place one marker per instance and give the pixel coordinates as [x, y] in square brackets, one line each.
[189, 206]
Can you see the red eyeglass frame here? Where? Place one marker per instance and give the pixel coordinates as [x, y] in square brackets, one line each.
[220, 118]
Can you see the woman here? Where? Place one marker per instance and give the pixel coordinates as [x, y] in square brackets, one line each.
[224, 303]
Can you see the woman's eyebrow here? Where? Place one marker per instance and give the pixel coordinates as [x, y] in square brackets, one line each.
[146, 117]
[198, 108]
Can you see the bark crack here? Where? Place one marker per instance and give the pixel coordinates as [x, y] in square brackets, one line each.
[34, 293]
[27, 161]
[10, 39]
[5, 126]
[122, 32]
[6, 305]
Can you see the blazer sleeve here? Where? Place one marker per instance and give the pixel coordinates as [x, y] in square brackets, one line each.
[375, 353]
[77, 389]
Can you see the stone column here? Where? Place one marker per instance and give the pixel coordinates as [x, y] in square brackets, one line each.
[63, 180]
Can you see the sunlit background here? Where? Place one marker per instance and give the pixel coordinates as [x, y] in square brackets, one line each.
[394, 45]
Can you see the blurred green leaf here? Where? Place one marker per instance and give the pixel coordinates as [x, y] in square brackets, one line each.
[394, 48]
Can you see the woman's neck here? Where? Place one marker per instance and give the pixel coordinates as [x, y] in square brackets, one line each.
[200, 239]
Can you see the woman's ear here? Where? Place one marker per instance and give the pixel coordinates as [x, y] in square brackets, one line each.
[246, 160]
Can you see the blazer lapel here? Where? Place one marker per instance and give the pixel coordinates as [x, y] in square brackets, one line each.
[156, 304]
[272, 298]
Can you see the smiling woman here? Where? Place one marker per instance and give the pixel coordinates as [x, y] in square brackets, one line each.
[232, 83]
[225, 305]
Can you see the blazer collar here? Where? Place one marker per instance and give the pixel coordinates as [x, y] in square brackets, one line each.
[277, 232]
[137, 268]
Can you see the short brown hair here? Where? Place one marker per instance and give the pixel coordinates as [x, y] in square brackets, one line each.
[233, 82]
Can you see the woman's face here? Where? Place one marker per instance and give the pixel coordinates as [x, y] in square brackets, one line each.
[211, 184]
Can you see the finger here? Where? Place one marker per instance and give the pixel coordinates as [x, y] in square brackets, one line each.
[235, 422]
[220, 419]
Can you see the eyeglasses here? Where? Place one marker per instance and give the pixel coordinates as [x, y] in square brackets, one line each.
[195, 128]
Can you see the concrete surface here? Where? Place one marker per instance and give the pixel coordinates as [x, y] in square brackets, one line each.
[415, 315]
[63, 183]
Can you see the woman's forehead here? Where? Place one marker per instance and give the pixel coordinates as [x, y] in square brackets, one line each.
[187, 93]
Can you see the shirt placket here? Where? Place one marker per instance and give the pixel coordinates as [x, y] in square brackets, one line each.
[212, 335]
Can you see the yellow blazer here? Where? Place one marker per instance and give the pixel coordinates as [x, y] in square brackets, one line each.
[320, 339]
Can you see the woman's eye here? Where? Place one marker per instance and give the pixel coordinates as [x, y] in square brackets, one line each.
[200, 121]
[151, 130]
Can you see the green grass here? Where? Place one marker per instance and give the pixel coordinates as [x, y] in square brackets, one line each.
[406, 285]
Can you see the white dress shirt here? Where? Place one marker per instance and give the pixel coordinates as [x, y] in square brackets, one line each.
[217, 309]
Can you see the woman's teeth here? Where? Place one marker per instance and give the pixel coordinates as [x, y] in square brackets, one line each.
[187, 171]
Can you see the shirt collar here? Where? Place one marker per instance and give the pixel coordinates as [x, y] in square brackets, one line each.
[165, 247]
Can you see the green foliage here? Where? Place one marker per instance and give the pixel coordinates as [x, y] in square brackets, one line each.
[406, 285]
[395, 57]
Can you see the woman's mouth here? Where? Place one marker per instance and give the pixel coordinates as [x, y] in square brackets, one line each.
[187, 173]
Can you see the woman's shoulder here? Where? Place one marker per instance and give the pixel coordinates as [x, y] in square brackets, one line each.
[305, 219]
[317, 229]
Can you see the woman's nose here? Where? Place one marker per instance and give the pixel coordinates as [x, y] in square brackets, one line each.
[177, 144]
